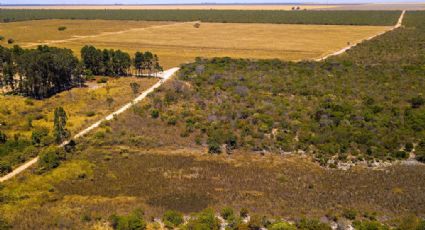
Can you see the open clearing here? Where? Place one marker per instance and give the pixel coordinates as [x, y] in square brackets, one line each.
[177, 43]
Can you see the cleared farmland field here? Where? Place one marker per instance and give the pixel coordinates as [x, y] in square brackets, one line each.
[41, 31]
[177, 43]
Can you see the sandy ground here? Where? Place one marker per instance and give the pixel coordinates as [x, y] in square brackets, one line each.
[170, 7]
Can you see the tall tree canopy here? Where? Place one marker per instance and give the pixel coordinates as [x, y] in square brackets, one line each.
[40, 72]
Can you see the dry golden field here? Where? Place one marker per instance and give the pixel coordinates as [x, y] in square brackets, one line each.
[177, 43]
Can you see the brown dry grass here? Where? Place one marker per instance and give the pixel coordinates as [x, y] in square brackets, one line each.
[120, 180]
[47, 30]
[180, 42]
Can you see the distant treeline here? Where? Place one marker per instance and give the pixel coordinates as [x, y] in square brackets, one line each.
[45, 71]
[232, 16]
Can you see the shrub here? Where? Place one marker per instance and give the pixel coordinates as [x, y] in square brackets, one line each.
[255, 223]
[10, 41]
[243, 213]
[90, 113]
[1, 38]
[133, 221]
[282, 226]
[5, 167]
[400, 155]
[349, 214]
[227, 213]
[38, 135]
[3, 137]
[62, 28]
[172, 218]
[420, 151]
[50, 158]
[154, 113]
[102, 80]
[369, 225]
[204, 220]
[408, 147]
[417, 102]
[306, 224]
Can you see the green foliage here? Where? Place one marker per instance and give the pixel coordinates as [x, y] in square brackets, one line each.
[59, 129]
[349, 214]
[34, 65]
[282, 226]
[348, 107]
[5, 167]
[154, 113]
[3, 137]
[243, 212]
[39, 136]
[4, 225]
[227, 213]
[307, 224]
[172, 218]
[369, 225]
[1, 37]
[242, 16]
[204, 220]
[411, 222]
[417, 102]
[146, 62]
[50, 158]
[133, 221]
[420, 151]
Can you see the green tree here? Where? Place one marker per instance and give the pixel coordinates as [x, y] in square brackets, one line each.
[172, 218]
[139, 59]
[60, 132]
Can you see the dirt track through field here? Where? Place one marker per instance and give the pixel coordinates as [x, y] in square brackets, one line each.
[343, 50]
[163, 78]
[77, 37]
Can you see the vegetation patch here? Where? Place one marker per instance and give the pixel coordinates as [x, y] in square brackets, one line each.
[245, 16]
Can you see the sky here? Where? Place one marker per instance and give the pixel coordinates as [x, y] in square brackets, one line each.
[188, 1]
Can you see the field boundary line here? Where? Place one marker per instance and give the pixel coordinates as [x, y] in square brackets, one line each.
[164, 76]
[345, 49]
[79, 37]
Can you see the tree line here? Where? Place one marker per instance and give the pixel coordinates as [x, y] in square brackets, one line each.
[45, 71]
[111, 62]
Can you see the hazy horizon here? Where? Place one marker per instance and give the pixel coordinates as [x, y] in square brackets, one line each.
[159, 2]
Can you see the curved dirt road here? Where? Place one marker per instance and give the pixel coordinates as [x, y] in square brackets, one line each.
[164, 76]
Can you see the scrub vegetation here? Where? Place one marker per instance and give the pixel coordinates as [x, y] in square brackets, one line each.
[243, 144]
[225, 16]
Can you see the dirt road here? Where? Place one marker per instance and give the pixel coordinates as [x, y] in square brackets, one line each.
[164, 76]
[343, 50]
